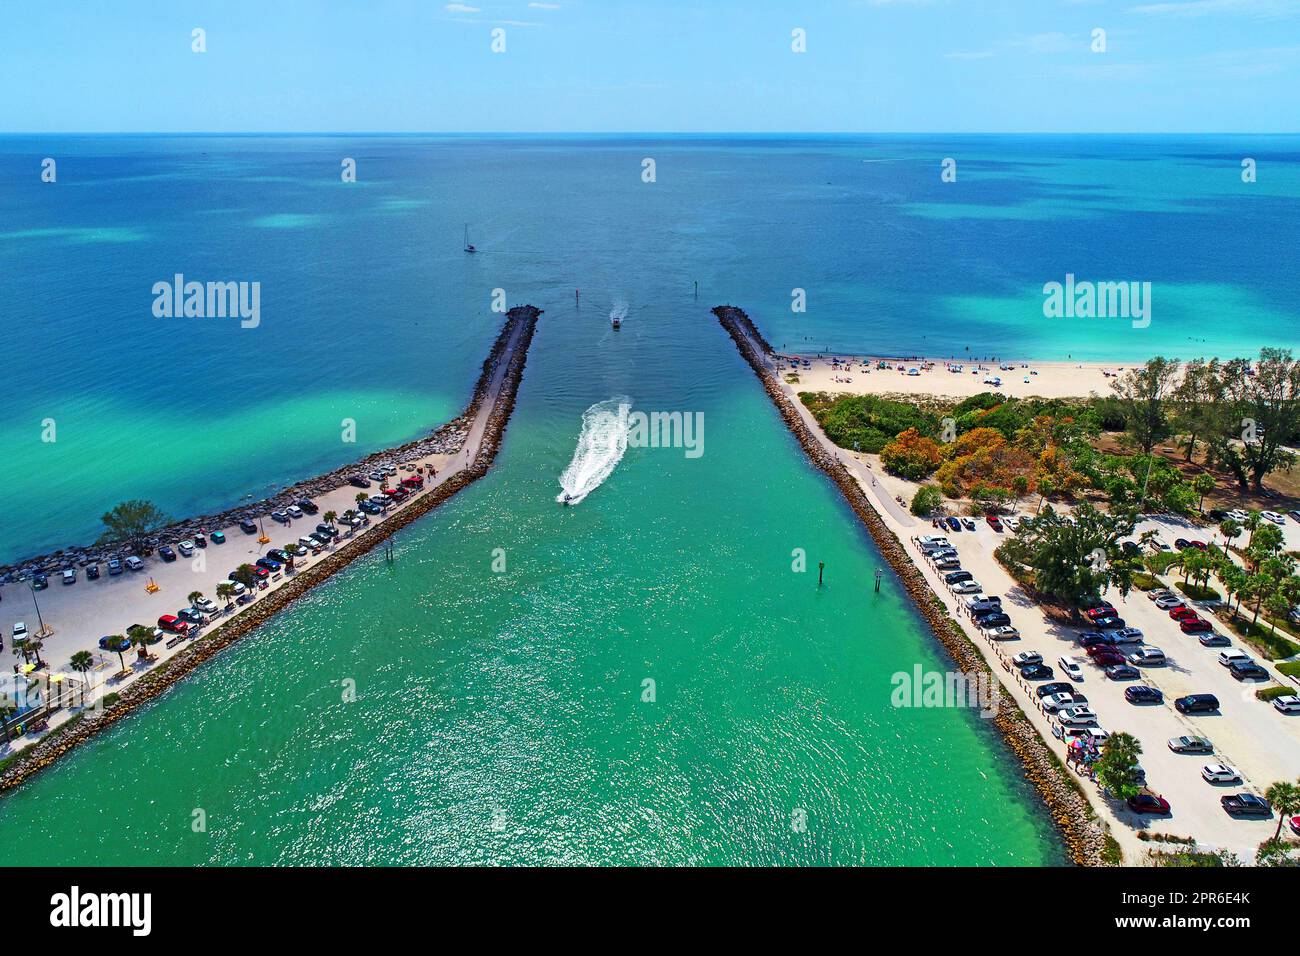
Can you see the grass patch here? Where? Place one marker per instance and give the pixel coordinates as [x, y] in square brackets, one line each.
[1270, 645]
[1111, 854]
[1146, 582]
[1199, 592]
[1290, 668]
[1159, 562]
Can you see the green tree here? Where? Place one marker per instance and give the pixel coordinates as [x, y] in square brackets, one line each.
[140, 636]
[331, 517]
[1144, 395]
[131, 522]
[1261, 417]
[1063, 553]
[926, 500]
[226, 592]
[194, 597]
[1202, 484]
[83, 662]
[1285, 798]
[1199, 402]
[246, 575]
[1117, 769]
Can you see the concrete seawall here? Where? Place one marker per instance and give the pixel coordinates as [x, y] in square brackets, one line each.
[520, 325]
[1082, 833]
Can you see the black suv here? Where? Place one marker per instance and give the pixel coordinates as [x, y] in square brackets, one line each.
[1197, 704]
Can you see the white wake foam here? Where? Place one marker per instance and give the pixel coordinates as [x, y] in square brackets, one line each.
[600, 448]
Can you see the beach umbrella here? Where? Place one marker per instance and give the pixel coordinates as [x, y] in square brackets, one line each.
[27, 668]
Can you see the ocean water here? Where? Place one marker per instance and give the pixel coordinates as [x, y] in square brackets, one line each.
[499, 715]
[370, 311]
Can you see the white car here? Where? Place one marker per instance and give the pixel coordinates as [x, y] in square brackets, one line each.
[205, 606]
[294, 512]
[1072, 669]
[1094, 734]
[1287, 704]
[1147, 656]
[1054, 702]
[1025, 658]
[1077, 717]
[1220, 773]
[966, 587]
[20, 632]
[1004, 633]
[1238, 515]
[70, 576]
[1273, 516]
[1168, 601]
[1233, 656]
[134, 564]
[186, 548]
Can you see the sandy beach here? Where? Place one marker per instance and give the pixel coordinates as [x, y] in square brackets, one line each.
[861, 375]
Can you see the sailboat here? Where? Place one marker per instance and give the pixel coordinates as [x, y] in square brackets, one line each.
[468, 247]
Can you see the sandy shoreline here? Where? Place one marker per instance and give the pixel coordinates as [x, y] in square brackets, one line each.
[861, 375]
[83, 610]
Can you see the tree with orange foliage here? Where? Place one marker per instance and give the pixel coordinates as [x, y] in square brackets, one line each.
[911, 455]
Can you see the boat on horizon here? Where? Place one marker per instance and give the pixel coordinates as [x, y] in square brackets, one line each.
[469, 247]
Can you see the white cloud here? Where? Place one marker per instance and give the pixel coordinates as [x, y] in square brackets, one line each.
[460, 8]
[544, 6]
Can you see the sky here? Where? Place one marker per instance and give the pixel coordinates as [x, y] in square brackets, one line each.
[650, 66]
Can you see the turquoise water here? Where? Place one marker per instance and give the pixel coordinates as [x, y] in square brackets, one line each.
[371, 312]
[499, 716]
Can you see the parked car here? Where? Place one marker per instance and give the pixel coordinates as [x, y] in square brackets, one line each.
[322, 541]
[1004, 633]
[957, 577]
[190, 615]
[1181, 612]
[966, 587]
[1104, 609]
[1071, 667]
[114, 642]
[311, 544]
[40, 582]
[134, 564]
[1248, 671]
[989, 621]
[1273, 516]
[1143, 694]
[69, 575]
[1148, 803]
[1109, 623]
[1128, 635]
[248, 526]
[186, 548]
[1156, 594]
[294, 512]
[359, 481]
[166, 553]
[1122, 672]
[1213, 639]
[1234, 656]
[994, 522]
[1168, 603]
[1056, 702]
[1246, 805]
[1037, 672]
[309, 506]
[278, 555]
[1287, 704]
[1077, 717]
[328, 531]
[92, 572]
[268, 563]
[1194, 625]
[1105, 656]
[953, 523]
[217, 537]
[170, 622]
[1092, 639]
[200, 540]
[1027, 657]
[1219, 773]
[205, 605]
[280, 517]
[114, 566]
[1191, 745]
[1197, 704]
[968, 524]
[1147, 656]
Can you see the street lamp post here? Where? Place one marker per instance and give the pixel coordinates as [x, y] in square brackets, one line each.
[42, 632]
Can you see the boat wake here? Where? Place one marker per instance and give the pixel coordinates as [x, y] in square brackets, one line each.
[600, 448]
[618, 313]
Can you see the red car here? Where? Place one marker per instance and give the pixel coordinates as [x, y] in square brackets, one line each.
[1104, 655]
[1182, 613]
[994, 522]
[413, 482]
[170, 622]
[1100, 611]
[397, 494]
[1194, 626]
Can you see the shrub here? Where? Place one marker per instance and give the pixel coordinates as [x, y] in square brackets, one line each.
[926, 500]
[867, 421]
[1199, 592]
[1146, 582]
[1269, 693]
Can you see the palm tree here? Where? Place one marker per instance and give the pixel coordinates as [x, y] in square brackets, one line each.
[331, 517]
[246, 576]
[1230, 528]
[140, 636]
[1252, 522]
[226, 591]
[82, 662]
[1046, 486]
[118, 643]
[194, 597]
[33, 647]
[1285, 798]
[1202, 484]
